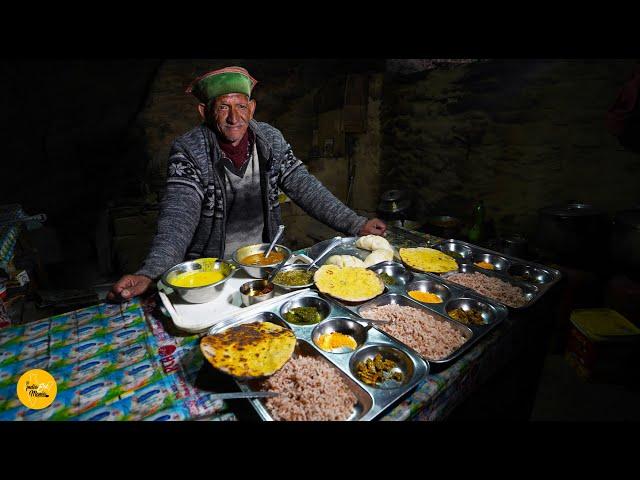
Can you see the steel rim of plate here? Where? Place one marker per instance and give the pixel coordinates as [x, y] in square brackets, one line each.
[376, 403]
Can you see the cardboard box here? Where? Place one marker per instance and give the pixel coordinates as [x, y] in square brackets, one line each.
[603, 346]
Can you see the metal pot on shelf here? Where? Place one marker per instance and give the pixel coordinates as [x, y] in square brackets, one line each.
[571, 233]
[394, 205]
[515, 245]
[443, 226]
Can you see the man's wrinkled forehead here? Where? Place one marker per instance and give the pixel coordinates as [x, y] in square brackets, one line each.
[231, 98]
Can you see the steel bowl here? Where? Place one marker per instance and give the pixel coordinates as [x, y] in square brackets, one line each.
[344, 325]
[294, 266]
[258, 271]
[248, 287]
[205, 293]
[323, 307]
[430, 286]
[403, 363]
[400, 275]
[499, 263]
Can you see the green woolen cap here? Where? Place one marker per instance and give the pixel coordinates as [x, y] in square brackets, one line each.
[221, 82]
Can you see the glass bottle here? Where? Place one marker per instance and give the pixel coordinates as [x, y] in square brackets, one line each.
[476, 232]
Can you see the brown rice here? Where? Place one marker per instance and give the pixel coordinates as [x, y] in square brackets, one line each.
[429, 336]
[491, 287]
[310, 389]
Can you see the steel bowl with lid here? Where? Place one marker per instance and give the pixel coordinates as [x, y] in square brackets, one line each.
[204, 293]
[258, 271]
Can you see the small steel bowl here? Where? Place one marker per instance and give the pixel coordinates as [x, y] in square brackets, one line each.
[403, 362]
[258, 271]
[323, 307]
[530, 274]
[247, 288]
[288, 268]
[345, 326]
[399, 273]
[487, 312]
[456, 250]
[499, 263]
[205, 293]
[430, 286]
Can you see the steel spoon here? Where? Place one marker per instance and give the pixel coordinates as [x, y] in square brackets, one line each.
[372, 323]
[336, 241]
[275, 239]
[231, 395]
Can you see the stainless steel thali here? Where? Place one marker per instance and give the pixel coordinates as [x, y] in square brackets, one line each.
[493, 312]
[371, 401]
[534, 279]
[453, 297]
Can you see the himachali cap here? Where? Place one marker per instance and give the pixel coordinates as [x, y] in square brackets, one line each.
[220, 82]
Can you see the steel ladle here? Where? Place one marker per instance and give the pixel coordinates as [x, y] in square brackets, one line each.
[336, 241]
[275, 239]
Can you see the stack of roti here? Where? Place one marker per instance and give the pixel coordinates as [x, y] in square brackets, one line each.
[251, 350]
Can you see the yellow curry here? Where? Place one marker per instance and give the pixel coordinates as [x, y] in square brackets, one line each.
[197, 279]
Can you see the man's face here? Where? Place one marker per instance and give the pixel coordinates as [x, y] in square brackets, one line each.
[232, 114]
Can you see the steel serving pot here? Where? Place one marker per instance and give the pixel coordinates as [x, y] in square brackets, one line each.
[205, 293]
[258, 271]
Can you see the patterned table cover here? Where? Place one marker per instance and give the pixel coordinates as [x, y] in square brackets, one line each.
[173, 363]
[159, 382]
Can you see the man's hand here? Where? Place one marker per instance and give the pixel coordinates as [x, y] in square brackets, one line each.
[128, 287]
[375, 226]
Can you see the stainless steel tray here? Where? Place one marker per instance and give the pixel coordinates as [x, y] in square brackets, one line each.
[453, 295]
[372, 401]
[537, 281]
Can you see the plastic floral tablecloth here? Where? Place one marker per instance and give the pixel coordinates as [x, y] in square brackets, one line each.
[119, 362]
[110, 362]
[115, 362]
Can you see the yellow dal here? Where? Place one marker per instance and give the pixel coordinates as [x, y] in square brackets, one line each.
[197, 279]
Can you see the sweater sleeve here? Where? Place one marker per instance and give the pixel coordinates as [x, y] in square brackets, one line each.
[179, 214]
[314, 198]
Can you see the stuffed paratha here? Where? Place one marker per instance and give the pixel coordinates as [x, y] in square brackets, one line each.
[428, 260]
[351, 284]
[252, 350]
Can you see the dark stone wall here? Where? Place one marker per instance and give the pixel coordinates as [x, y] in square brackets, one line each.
[519, 134]
[69, 140]
[81, 135]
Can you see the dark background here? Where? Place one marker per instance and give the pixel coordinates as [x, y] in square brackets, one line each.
[86, 141]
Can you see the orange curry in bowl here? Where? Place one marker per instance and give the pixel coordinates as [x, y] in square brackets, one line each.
[260, 259]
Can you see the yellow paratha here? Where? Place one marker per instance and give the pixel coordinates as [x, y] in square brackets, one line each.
[428, 260]
[351, 284]
[252, 350]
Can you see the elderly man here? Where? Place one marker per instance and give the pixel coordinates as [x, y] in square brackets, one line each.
[222, 184]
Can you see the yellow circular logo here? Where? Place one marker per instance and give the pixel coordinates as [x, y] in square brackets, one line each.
[37, 389]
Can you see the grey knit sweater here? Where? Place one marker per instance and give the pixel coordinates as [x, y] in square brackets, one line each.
[192, 218]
